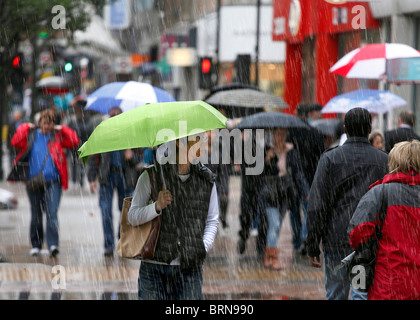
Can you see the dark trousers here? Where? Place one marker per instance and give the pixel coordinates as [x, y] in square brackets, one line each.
[106, 193]
[169, 282]
[251, 206]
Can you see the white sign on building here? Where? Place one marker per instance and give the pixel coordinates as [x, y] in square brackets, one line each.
[238, 34]
[238, 28]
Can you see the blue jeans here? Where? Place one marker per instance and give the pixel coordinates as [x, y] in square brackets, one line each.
[45, 200]
[169, 282]
[337, 283]
[274, 220]
[106, 193]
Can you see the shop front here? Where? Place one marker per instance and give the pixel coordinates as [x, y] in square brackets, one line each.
[317, 34]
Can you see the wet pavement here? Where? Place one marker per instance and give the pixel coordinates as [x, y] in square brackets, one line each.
[81, 272]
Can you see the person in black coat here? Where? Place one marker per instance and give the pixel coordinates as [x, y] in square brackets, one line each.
[404, 132]
[309, 142]
[343, 176]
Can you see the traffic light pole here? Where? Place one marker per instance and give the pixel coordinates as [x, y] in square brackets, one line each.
[257, 45]
[219, 2]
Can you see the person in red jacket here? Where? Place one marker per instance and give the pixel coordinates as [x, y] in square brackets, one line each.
[45, 145]
[397, 268]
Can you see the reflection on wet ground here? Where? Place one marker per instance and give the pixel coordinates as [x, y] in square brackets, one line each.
[81, 272]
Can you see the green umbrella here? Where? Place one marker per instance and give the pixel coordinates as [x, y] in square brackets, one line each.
[152, 125]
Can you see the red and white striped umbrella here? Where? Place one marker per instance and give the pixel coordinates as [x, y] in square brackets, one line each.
[369, 62]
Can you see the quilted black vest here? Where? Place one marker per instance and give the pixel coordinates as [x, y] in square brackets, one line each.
[184, 220]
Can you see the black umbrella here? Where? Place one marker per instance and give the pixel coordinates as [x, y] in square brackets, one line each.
[328, 127]
[239, 100]
[270, 120]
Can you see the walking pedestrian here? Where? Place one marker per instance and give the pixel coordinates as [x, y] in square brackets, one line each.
[250, 205]
[404, 132]
[45, 145]
[222, 172]
[16, 121]
[309, 142]
[376, 138]
[112, 170]
[397, 267]
[343, 176]
[188, 205]
[283, 182]
[83, 128]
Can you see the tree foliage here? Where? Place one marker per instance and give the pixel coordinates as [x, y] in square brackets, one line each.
[25, 19]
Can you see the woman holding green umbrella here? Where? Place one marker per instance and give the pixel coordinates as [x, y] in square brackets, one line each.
[187, 200]
[188, 205]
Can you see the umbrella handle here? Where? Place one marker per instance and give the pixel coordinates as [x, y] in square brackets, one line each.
[163, 179]
[158, 167]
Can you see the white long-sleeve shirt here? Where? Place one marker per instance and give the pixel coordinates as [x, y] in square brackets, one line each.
[141, 211]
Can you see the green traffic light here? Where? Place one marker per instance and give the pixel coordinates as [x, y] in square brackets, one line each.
[68, 67]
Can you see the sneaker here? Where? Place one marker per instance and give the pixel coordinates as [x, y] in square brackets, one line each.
[108, 252]
[253, 232]
[54, 251]
[34, 252]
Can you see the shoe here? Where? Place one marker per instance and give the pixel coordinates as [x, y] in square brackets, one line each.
[271, 259]
[109, 252]
[254, 232]
[54, 251]
[302, 250]
[267, 258]
[224, 224]
[34, 252]
[241, 246]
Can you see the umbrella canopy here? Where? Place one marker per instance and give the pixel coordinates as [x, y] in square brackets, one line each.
[52, 82]
[53, 85]
[270, 120]
[369, 62]
[375, 101]
[246, 98]
[151, 125]
[240, 100]
[126, 95]
[327, 127]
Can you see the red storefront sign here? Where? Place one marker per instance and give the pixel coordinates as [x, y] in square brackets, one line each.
[322, 20]
[293, 20]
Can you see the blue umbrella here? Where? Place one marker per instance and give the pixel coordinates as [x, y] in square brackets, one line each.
[126, 95]
[375, 101]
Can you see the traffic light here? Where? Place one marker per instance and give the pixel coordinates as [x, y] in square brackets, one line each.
[17, 75]
[16, 62]
[207, 74]
[68, 67]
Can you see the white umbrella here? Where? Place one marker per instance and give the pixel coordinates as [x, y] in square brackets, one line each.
[375, 101]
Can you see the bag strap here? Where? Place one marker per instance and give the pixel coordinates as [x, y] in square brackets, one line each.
[46, 155]
[45, 160]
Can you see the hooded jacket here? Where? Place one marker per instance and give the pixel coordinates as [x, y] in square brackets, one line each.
[397, 269]
[65, 138]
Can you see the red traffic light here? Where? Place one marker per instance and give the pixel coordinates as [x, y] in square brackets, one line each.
[16, 61]
[205, 65]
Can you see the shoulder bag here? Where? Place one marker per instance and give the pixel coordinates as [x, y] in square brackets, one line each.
[139, 242]
[37, 182]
